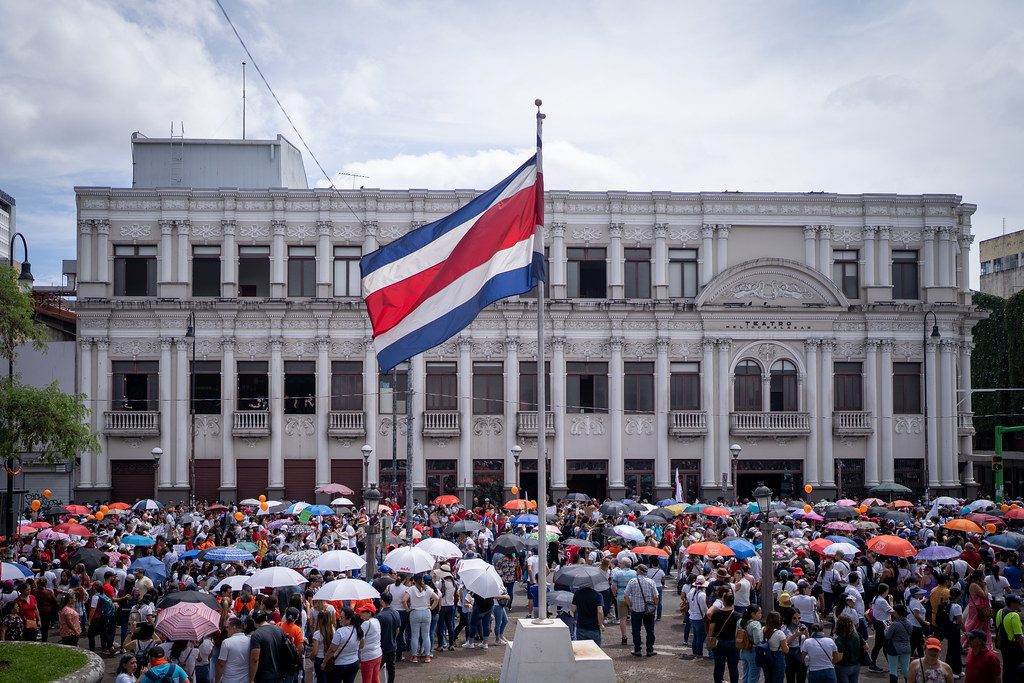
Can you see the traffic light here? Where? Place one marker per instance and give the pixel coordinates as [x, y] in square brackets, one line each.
[997, 463]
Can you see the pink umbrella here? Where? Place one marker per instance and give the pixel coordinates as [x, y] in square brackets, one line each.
[335, 489]
[840, 526]
[51, 535]
[872, 501]
[813, 516]
[846, 503]
[114, 556]
[187, 621]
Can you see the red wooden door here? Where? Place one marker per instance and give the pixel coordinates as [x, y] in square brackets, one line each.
[299, 480]
[207, 481]
[251, 476]
[349, 473]
[132, 480]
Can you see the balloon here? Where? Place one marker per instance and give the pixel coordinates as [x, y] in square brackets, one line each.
[862, 509]
[100, 515]
[47, 493]
[807, 508]
[808, 488]
[1014, 506]
[1004, 507]
[262, 498]
[36, 505]
[239, 516]
[991, 528]
[104, 509]
[515, 490]
[264, 506]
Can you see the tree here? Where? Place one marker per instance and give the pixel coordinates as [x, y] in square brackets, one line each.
[997, 363]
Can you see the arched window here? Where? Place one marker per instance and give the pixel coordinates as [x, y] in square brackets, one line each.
[747, 388]
[783, 395]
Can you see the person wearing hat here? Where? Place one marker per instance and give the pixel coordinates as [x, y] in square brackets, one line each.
[370, 651]
[982, 663]
[1009, 636]
[929, 667]
[697, 599]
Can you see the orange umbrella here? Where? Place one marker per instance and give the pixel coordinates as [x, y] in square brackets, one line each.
[963, 525]
[715, 511]
[27, 530]
[73, 529]
[119, 506]
[520, 504]
[902, 504]
[710, 549]
[40, 525]
[1015, 514]
[818, 545]
[892, 546]
[446, 500]
[78, 509]
[650, 550]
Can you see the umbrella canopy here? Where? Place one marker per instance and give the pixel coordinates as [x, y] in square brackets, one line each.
[14, 571]
[300, 559]
[1017, 513]
[839, 513]
[653, 520]
[78, 509]
[865, 525]
[464, 526]
[335, 490]
[189, 596]
[846, 549]
[151, 567]
[843, 539]
[947, 500]
[188, 621]
[440, 548]
[818, 545]
[579, 543]
[90, 557]
[982, 519]
[346, 589]
[275, 577]
[416, 534]
[119, 506]
[447, 500]
[189, 554]
[650, 550]
[138, 540]
[840, 526]
[892, 546]
[409, 560]
[73, 529]
[52, 535]
[577, 576]
[1006, 541]
[525, 520]
[320, 511]
[742, 548]
[667, 501]
[666, 512]
[964, 525]
[981, 504]
[225, 555]
[561, 599]
[814, 517]
[338, 561]
[549, 536]
[630, 533]
[235, 582]
[695, 509]
[249, 501]
[342, 502]
[897, 516]
[889, 489]
[715, 511]
[937, 553]
[510, 543]
[520, 504]
[901, 504]
[872, 501]
[710, 549]
[147, 504]
[612, 509]
[578, 497]
[296, 508]
[846, 502]
[303, 529]
[486, 583]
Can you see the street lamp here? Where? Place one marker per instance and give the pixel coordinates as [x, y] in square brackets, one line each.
[190, 333]
[25, 281]
[924, 347]
[366, 450]
[156, 452]
[517, 452]
[371, 497]
[763, 496]
[734, 450]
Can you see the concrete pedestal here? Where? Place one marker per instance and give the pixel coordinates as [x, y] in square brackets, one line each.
[544, 652]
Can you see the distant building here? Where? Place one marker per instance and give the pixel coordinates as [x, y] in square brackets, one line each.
[6, 225]
[1002, 264]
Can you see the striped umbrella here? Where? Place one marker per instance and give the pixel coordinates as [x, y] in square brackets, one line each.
[187, 621]
[147, 504]
[300, 559]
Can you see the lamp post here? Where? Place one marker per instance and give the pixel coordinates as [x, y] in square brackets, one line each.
[763, 496]
[924, 347]
[25, 281]
[156, 452]
[366, 450]
[190, 333]
[371, 497]
[734, 451]
[517, 452]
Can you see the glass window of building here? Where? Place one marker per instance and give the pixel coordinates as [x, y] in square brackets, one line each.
[586, 387]
[136, 385]
[905, 275]
[638, 388]
[442, 386]
[253, 385]
[135, 270]
[346, 271]
[587, 273]
[684, 386]
[253, 271]
[637, 273]
[206, 270]
[849, 393]
[682, 273]
[845, 272]
[906, 388]
[528, 386]
[206, 383]
[784, 395]
[299, 387]
[346, 385]
[301, 271]
[747, 387]
[488, 388]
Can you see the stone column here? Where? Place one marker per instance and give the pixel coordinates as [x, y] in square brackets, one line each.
[275, 472]
[966, 442]
[417, 468]
[85, 256]
[964, 243]
[825, 250]
[884, 257]
[932, 427]
[660, 269]
[182, 414]
[616, 466]
[165, 260]
[466, 419]
[725, 380]
[616, 262]
[511, 394]
[323, 407]
[888, 465]
[370, 407]
[103, 380]
[828, 473]
[948, 455]
[556, 261]
[708, 386]
[85, 386]
[278, 258]
[870, 384]
[766, 389]
[102, 251]
[166, 408]
[662, 479]
[558, 470]
[870, 270]
[810, 253]
[707, 264]
[324, 259]
[184, 228]
[369, 236]
[229, 261]
[228, 378]
[723, 248]
[928, 272]
[945, 257]
[811, 470]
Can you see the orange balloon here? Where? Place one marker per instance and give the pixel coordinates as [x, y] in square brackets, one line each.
[47, 493]
[91, 517]
[1004, 507]
[100, 515]
[262, 498]
[807, 508]
[1014, 506]
[36, 505]
[239, 516]
[991, 528]
[264, 506]
[808, 488]
[515, 490]
[862, 509]
[104, 509]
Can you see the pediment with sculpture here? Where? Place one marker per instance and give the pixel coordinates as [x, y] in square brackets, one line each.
[771, 282]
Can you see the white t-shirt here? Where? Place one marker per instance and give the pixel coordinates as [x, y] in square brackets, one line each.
[698, 603]
[371, 641]
[742, 592]
[997, 586]
[420, 599]
[858, 600]
[807, 605]
[346, 641]
[819, 653]
[881, 609]
[234, 652]
[398, 591]
[531, 566]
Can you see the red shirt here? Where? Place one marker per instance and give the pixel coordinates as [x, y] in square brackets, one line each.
[983, 667]
[972, 558]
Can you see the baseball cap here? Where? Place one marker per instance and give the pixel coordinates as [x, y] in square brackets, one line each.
[1010, 597]
[368, 607]
[933, 644]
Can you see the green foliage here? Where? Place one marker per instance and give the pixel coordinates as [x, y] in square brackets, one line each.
[1013, 323]
[29, 663]
[17, 316]
[44, 421]
[997, 361]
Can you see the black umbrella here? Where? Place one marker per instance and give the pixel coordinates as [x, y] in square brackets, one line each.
[839, 513]
[578, 497]
[612, 509]
[664, 512]
[580, 543]
[897, 516]
[581, 575]
[878, 511]
[653, 519]
[90, 557]
[465, 526]
[890, 490]
[781, 528]
[635, 507]
[509, 543]
[189, 596]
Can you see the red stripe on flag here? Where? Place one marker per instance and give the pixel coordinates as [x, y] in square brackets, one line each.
[500, 227]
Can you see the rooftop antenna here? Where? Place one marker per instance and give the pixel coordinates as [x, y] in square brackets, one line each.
[353, 176]
[243, 100]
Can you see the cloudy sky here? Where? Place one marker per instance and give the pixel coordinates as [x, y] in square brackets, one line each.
[887, 96]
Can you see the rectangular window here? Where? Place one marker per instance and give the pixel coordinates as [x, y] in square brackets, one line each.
[684, 386]
[206, 380]
[638, 273]
[849, 393]
[906, 388]
[253, 385]
[904, 275]
[299, 387]
[442, 386]
[528, 386]
[346, 271]
[638, 388]
[206, 270]
[136, 385]
[393, 390]
[488, 388]
[346, 385]
[986, 267]
[135, 270]
[254, 271]
[845, 272]
[586, 387]
[682, 273]
[301, 271]
[587, 273]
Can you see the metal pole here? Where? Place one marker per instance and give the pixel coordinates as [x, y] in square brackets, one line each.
[542, 469]
[735, 489]
[394, 433]
[767, 575]
[924, 364]
[9, 525]
[408, 458]
[192, 415]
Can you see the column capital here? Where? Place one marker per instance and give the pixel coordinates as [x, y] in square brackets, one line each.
[723, 231]
[183, 344]
[511, 344]
[662, 344]
[929, 232]
[708, 344]
[707, 231]
[887, 345]
[85, 227]
[278, 228]
[615, 230]
[825, 231]
[465, 344]
[660, 230]
[323, 343]
[870, 231]
[946, 231]
[228, 344]
[370, 228]
[228, 225]
[103, 226]
[558, 344]
[85, 344]
[828, 345]
[872, 344]
[165, 343]
[615, 343]
[324, 228]
[967, 346]
[723, 344]
[884, 231]
[183, 226]
[166, 227]
[810, 231]
[965, 241]
[947, 345]
[276, 343]
[102, 344]
[558, 229]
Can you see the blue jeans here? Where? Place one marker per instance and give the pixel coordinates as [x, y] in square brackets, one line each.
[697, 626]
[822, 676]
[751, 671]
[588, 634]
[446, 626]
[510, 588]
[777, 674]
[480, 625]
[661, 600]
[500, 620]
[419, 633]
[202, 674]
[638, 619]
[899, 663]
[727, 654]
[848, 674]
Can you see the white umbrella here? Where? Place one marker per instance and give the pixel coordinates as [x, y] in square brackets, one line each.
[485, 583]
[409, 560]
[981, 504]
[249, 501]
[845, 548]
[236, 583]
[339, 561]
[472, 564]
[630, 533]
[342, 502]
[946, 500]
[275, 577]
[416, 534]
[440, 548]
[346, 589]
[147, 504]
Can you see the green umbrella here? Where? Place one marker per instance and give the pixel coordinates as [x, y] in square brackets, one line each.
[550, 535]
[247, 546]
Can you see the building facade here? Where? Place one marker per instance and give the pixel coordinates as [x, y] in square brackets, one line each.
[1002, 264]
[678, 324]
[7, 225]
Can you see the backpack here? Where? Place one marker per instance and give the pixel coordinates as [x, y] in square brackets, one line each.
[288, 655]
[764, 657]
[942, 618]
[107, 607]
[743, 641]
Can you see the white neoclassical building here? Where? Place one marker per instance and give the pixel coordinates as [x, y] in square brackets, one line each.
[797, 326]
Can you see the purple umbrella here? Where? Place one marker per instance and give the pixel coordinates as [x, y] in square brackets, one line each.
[273, 526]
[937, 552]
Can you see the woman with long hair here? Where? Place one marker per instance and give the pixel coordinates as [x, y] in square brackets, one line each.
[978, 615]
[751, 623]
[323, 634]
[344, 649]
[778, 645]
[126, 669]
[851, 647]
[420, 599]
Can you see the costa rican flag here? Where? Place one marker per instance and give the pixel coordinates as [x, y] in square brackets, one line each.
[431, 283]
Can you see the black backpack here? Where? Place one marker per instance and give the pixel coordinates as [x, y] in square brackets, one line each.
[289, 657]
[942, 618]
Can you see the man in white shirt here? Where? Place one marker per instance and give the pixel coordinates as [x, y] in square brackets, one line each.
[532, 563]
[698, 601]
[233, 661]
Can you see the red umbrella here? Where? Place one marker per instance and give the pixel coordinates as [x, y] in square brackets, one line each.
[78, 509]
[650, 550]
[335, 488]
[981, 519]
[217, 508]
[119, 506]
[893, 546]
[1015, 514]
[840, 526]
[818, 545]
[446, 500]
[73, 529]
[40, 525]
[187, 621]
[710, 548]
[715, 511]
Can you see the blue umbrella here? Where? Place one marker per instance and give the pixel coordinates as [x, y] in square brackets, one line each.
[296, 508]
[753, 507]
[137, 540]
[843, 539]
[1006, 541]
[525, 520]
[667, 502]
[24, 570]
[694, 509]
[320, 510]
[151, 567]
[225, 555]
[743, 549]
[937, 552]
[147, 504]
[628, 501]
[189, 554]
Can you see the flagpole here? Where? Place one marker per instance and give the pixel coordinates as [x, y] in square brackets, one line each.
[542, 469]
[408, 455]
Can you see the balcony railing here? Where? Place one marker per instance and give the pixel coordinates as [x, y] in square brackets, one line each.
[526, 423]
[770, 424]
[852, 423]
[342, 423]
[441, 423]
[250, 423]
[688, 423]
[131, 423]
[965, 424]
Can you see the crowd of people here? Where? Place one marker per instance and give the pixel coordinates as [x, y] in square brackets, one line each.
[269, 591]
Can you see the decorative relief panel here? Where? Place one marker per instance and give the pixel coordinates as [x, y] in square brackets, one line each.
[134, 348]
[134, 205]
[847, 210]
[587, 234]
[490, 348]
[299, 425]
[346, 232]
[639, 325]
[301, 232]
[252, 323]
[205, 205]
[449, 349]
[254, 232]
[586, 207]
[847, 235]
[133, 323]
[683, 235]
[685, 350]
[385, 426]
[207, 347]
[303, 205]
[683, 208]
[136, 231]
[347, 324]
[94, 203]
[769, 290]
[346, 348]
[488, 425]
[587, 349]
[636, 208]
[907, 424]
[390, 232]
[207, 425]
[767, 352]
[206, 232]
[636, 234]
[299, 347]
[253, 347]
[586, 425]
[905, 237]
[639, 425]
[850, 350]
[255, 205]
[638, 349]
[586, 324]
[684, 325]
[848, 326]
[906, 349]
